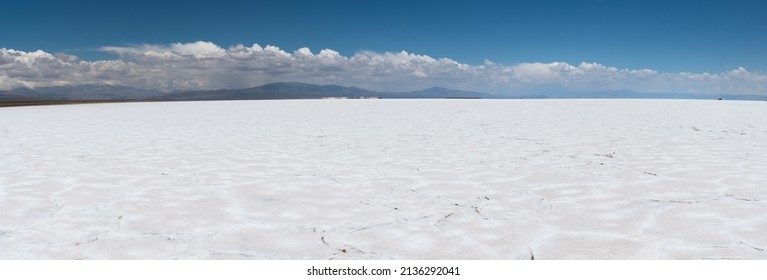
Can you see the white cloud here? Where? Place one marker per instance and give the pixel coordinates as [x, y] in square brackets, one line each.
[204, 65]
[199, 49]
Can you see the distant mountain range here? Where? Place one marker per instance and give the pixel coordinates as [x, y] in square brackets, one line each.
[292, 90]
[81, 92]
[655, 95]
[268, 91]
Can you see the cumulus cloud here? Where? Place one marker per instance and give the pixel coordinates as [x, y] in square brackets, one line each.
[205, 65]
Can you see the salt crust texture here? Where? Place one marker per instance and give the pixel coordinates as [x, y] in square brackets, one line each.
[385, 179]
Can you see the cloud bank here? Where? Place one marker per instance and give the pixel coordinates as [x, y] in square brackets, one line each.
[205, 65]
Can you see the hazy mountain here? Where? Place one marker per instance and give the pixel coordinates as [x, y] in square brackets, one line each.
[439, 92]
[80, 92]
[651, 95]
[7, 96]
[310, 91]
[294, 90]
[271, 91]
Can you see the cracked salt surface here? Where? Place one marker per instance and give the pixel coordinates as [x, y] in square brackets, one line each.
[385, 179]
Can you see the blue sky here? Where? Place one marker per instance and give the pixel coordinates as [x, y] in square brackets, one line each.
[665, 36]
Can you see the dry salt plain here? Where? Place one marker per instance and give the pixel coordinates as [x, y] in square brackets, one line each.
[385, 179]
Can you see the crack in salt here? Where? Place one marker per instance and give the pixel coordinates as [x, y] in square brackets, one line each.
[752, 246]
[351, 249]
[244, 255]
[740, 198]
[676, 201]
[371, 226]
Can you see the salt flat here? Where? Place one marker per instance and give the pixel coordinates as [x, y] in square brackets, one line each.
[385, 179]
